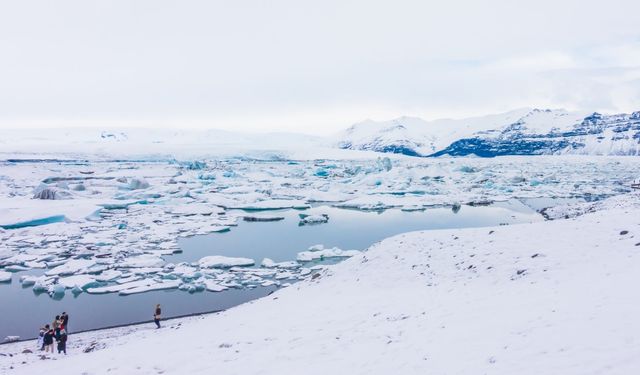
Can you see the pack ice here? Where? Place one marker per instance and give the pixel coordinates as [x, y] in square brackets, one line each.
[112, 227]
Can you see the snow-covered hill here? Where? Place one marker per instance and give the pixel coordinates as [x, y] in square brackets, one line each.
[557, 297]
[520, 132]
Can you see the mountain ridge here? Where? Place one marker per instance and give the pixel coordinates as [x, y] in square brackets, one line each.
[519, 132]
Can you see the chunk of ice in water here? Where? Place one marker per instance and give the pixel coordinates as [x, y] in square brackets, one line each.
[71, 267]
[56, 291]
[213, 286]
[5, 277]
[313, 219]
[269, 283]
[269, 263]
[163, 285]
[80, 281]
[109, 275]
[308, 256]
[284, 275]
[144, 260]
[218, 261]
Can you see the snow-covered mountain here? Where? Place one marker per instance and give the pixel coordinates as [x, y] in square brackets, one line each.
[519, 132]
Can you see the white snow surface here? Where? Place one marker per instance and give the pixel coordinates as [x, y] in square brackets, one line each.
[555, 297]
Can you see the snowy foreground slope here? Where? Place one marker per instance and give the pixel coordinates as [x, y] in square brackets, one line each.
[557, 297]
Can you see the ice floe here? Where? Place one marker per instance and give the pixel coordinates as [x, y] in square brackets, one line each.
[218, 261]
[121, 222]
[308, 256]
[269, 263]
[313, 219]
[5, 277]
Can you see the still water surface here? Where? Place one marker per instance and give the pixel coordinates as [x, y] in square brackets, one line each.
[23, 312]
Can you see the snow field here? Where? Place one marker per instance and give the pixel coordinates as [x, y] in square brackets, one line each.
[555, 297]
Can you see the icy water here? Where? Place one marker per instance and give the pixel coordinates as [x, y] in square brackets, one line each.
[23, 312]
[346, 229]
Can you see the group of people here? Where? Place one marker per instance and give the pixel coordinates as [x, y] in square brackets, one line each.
[58, 331]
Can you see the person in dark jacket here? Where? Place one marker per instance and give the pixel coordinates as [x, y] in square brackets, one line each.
[157, 316]
[48, 341]
[62, 342]
[46, 329]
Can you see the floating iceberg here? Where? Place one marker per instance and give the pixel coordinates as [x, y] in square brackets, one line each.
[284, 275]
[218, 261]
[144, 260]
[308, 256]
[71, 267]
[5, 277]
[269, 263]
[213, 286]
[120, 287]
[274, 204]
[81, 281]
[17, 268]
[29, 280]
[108, 275]
[262, 218]
[56, 291]
[163, 285]
[195, 209]
[313, 219]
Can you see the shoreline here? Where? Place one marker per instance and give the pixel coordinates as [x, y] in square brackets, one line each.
[124, 325]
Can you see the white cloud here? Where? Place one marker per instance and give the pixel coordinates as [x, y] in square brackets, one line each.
[309, 66]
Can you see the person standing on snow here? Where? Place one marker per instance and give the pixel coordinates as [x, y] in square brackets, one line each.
[48, 341]
[157, 316]
[41, 339]
[45, 330]
[62, 342]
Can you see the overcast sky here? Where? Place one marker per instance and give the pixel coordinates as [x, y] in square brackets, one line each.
[310, 66]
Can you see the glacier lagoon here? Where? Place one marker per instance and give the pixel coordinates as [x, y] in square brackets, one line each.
[135, 226]
[279, 240]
